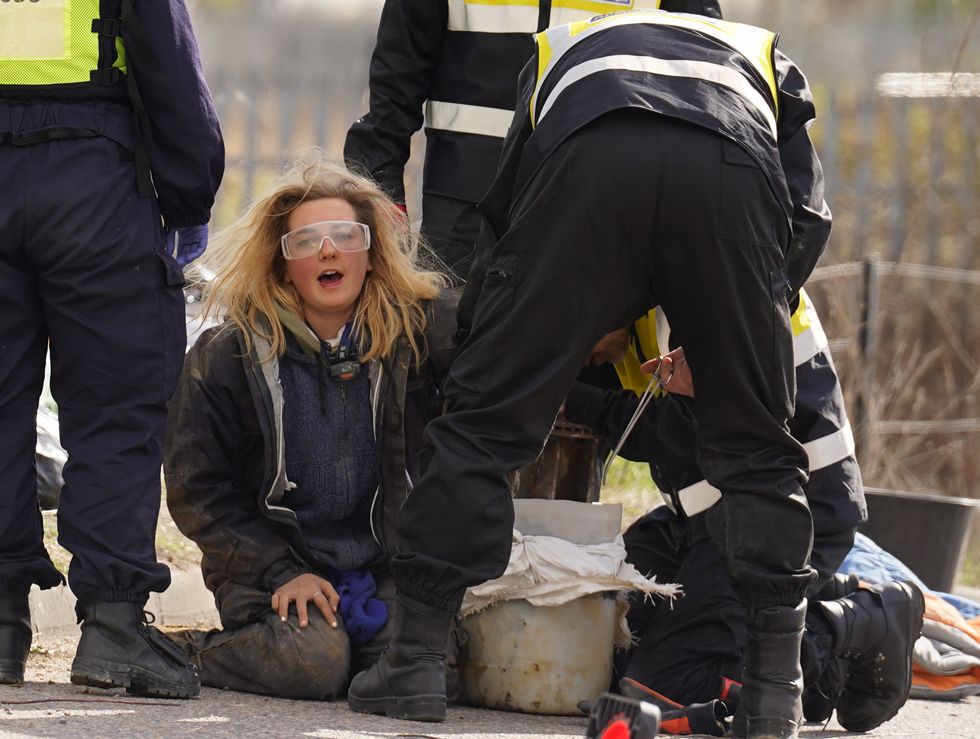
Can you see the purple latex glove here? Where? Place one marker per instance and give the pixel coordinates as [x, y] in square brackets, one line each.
[187, 243]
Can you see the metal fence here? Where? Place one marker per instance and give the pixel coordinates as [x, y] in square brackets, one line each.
[905, 339]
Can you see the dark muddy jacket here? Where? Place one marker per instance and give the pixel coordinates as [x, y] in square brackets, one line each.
[225, 475]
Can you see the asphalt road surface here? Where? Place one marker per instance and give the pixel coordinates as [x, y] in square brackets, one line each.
[47, 705]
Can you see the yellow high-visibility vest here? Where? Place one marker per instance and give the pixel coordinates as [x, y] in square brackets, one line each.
[650, 334]
[57, 42]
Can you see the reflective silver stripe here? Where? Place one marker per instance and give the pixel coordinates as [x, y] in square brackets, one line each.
[755, 44]
[468, 118]
[830, 449]
[514, 16]
[698, 497]
[35, 30]
[726, 76]
[822, 452]
[809, 344]
[521, 16]
[663, 331]
[270, 373]
[571, 11]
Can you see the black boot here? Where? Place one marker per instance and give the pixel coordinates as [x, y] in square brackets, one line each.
[119, 649]
[874, 633]
[838, 586]
[409, 680]
[15, 637]
[818, 695]
[769, 701]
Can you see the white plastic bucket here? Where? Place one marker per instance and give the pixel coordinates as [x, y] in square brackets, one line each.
[543, 660]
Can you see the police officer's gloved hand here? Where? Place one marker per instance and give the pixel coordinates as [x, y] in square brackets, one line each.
[187, 243]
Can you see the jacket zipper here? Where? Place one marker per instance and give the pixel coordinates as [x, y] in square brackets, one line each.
[374, 426]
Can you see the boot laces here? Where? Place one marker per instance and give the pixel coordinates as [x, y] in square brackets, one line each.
[831, 684]
[870, 666]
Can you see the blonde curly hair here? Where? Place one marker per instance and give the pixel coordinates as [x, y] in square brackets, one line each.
[250, 285]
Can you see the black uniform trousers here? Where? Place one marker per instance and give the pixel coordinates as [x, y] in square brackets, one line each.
[82, 266]
[633, 210]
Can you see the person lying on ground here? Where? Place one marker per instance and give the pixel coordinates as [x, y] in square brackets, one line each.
[693, 653]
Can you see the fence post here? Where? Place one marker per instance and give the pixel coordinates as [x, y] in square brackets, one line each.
[867, 349]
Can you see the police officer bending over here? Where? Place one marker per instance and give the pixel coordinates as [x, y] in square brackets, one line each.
[110, 152]
[653, 159]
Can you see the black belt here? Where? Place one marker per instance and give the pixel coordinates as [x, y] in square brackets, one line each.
[40, 135]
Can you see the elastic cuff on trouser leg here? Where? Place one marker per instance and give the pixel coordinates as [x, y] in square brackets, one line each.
[45, 578]
[108, 596]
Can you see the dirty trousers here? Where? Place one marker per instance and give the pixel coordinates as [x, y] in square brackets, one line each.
[274, 657]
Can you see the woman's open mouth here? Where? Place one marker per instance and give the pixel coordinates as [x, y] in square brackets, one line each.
[330, 278]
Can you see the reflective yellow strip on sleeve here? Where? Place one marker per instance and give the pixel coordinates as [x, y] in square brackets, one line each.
[34, 30]
[461, 118]
[544, 60]
[809, 338]
[647, 331]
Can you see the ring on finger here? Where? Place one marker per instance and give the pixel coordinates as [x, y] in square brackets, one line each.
[670, 375]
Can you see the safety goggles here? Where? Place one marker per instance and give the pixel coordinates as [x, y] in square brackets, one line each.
[308, 240]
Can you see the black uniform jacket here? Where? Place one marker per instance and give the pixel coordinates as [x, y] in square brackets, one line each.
[224, 466]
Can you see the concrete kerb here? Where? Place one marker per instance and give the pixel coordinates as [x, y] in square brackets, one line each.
[185, 602]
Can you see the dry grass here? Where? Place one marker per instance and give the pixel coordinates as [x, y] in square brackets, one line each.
[629, 483]
[926, 371]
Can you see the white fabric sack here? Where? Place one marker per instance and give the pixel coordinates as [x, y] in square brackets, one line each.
[547, 571]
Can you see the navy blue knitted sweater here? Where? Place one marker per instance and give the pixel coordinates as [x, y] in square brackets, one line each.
[331, 457]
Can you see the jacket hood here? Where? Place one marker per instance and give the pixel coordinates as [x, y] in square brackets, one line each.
[309, 342]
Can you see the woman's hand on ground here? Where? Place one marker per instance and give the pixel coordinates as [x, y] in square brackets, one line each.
[303, 589]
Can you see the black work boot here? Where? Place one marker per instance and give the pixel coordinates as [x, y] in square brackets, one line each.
[409, 680]
[772, 681]
[874, 630]
[119, 649]
[819, 699]
[838, 586]
[15, 637]
[820, 696]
